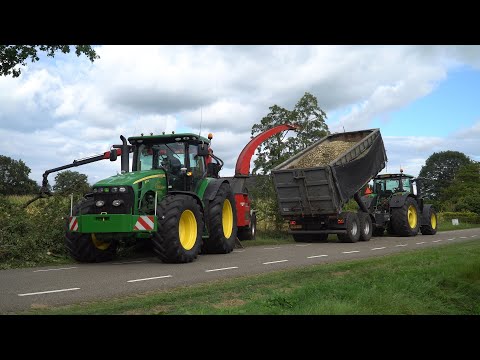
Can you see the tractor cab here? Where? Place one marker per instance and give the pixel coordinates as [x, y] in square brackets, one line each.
[388, 184]
[181, 156]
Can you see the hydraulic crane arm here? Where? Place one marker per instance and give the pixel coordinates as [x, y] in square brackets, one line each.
[242, 168]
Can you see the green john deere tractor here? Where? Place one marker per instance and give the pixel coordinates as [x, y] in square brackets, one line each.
[398, 207]
[173, 196]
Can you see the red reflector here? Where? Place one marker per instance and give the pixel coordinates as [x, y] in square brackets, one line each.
[341, 221]
[293, 222]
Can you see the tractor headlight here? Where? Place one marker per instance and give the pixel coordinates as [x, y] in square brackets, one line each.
[114, 189]
[95, 190]
[117, 202]
[122, 189]
[100, 190]
[100, 203]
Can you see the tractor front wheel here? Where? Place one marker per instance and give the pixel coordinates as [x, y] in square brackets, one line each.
[87, 247]
[221, 219]
[178, 238]
[431, 228]
[405, 220]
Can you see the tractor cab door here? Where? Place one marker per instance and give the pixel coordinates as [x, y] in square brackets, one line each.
[196, 167]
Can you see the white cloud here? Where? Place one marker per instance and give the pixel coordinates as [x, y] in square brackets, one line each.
[69, 108]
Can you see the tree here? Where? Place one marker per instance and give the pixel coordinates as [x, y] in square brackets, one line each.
[311, 121]
[463, 194]
[439, 171]
[71, 182]
[13, 55]
[14, 178]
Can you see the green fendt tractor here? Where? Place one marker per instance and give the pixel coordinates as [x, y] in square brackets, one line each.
[173, 196]
[397, 205]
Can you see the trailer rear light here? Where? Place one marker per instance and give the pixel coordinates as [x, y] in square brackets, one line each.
[293, 222]
[341, 221]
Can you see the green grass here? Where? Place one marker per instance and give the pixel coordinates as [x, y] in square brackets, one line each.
[446, 226]
[441, 280]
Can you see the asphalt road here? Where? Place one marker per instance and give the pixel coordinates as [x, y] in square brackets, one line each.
[22, 289]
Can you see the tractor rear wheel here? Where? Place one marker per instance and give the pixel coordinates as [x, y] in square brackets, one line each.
[405, 220]
[366, 226]
[221, 219]
[352, 224]
[431, 228]
[249, 232]
[88, 247]
[178, 238]
[310, 237]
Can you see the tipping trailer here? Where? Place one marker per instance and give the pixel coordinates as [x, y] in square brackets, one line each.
[313, 186]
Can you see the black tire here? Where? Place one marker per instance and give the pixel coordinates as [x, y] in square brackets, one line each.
[431, 228]
[178, 238]
[352, 224]
[310, 237]
[220, 224]
[366, 226]
[249, 232]
[378, 231]
[86, 247]
[406, 219]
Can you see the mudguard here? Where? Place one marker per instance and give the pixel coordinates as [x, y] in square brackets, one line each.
[190, 193]
[398, 200]
[212, 189]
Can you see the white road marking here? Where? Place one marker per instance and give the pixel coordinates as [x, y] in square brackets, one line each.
[48, 292]
[315, 256]
[473, 235]
[152, 278]
[463, 237]
[401, 245]
[228, 268]
[421, 242]
[272, 248]
[303, 244]
[238, 250]
[73, 267]
[380, 248]
[436, 240]
[129, 262]
[274, 262]
[451, 239]
[350, 252]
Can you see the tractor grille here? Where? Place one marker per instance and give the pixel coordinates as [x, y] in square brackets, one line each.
[108, 198]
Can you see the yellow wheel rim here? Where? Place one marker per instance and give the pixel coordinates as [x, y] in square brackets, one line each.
[227, 218]
[412, 216]
[99, 244]
[433, 221]
[187, 229]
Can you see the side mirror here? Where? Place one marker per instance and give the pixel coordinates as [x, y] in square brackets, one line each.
[202, 149]
[113, 155]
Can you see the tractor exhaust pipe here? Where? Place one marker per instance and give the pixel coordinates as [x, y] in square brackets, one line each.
[125, 149]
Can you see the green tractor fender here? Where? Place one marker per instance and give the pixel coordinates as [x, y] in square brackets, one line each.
[397, 200]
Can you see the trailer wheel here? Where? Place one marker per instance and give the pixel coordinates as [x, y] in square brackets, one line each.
[179, 229]
[87, 247]
[352, 225]
[310, 237]
[366, 226]
[431, 228]
[249, 232]
[405, 220]
[221, 219]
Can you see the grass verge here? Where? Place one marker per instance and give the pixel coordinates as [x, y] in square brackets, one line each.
[443, 280]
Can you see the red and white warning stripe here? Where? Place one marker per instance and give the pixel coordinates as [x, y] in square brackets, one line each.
[144, 222]
[73, 223]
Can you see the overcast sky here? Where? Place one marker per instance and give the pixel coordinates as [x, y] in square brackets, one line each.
[424, 99]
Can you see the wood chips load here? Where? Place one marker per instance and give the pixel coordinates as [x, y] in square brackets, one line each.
[323, 154]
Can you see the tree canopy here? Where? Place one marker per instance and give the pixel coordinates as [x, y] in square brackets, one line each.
[13, 55]
[463, 194]
[71, 182]
[14, 178]
[311, 121]
[439, 171]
